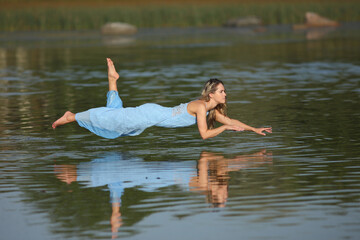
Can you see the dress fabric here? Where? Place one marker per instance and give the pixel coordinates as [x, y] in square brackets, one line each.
[115, 121]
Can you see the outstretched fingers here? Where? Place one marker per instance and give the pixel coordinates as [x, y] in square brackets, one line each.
[262, 131]
[269, 130]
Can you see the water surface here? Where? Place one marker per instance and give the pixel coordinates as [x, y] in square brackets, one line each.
[300, 182]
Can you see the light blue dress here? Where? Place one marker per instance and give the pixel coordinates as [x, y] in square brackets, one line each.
[115, 121]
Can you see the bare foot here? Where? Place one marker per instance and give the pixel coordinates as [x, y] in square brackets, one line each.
[68, 117]
[112, 74]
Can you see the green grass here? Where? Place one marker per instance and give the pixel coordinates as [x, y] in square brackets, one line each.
[89, 18]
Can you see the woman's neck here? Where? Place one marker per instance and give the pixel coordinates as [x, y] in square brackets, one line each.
[210, 105]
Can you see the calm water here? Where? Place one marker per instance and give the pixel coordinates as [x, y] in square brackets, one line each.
[301, 182]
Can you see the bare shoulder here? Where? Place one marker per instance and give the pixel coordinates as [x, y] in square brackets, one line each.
[196, 106]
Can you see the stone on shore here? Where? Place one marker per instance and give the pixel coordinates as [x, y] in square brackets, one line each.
[118, 28]
[315, 20]
[243, 22]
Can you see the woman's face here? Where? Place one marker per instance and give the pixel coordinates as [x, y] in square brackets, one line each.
[220, 94]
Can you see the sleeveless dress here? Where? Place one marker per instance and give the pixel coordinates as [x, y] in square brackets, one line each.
[115, 121]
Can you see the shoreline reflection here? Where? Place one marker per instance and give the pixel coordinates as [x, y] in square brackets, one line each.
[209, 176]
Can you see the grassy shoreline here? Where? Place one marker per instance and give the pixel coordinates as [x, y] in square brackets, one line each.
[47, 18]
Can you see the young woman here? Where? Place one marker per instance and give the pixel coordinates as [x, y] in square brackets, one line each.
[115, 121]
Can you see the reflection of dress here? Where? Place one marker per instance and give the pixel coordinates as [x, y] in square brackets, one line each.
[114, 120]
[119, 172]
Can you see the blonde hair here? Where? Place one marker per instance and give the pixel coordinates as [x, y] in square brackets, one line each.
[210, 87]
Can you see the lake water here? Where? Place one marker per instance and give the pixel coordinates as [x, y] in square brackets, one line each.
[300, 182]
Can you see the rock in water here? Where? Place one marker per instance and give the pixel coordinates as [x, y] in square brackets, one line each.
[118, 28]
[243, 22]
[315, 20]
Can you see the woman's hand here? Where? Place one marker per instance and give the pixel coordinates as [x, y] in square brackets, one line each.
[262, 130]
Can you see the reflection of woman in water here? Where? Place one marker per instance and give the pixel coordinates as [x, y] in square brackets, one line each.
[115, 121]
[212, 177]
[209, 177]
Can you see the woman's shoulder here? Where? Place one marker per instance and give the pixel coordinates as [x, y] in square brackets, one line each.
[196, 105]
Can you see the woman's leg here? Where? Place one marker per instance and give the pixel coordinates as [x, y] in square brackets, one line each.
[68, 117]
[112, 75]
[113, 99]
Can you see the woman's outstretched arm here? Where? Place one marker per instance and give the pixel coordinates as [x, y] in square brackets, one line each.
[203, 128]
[226, 120]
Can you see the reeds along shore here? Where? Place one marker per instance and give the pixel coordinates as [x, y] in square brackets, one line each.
[74, 17]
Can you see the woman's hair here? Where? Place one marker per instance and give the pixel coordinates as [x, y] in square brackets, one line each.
[210, 87]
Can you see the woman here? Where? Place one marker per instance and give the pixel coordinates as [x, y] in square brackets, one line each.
[115, 121]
